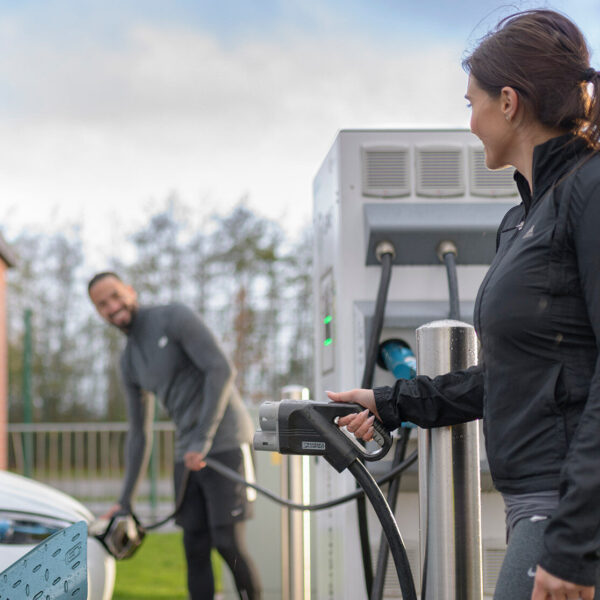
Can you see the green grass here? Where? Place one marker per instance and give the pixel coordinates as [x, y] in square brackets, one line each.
[157, 571]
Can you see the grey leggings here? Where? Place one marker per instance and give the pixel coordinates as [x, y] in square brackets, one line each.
[525, 547]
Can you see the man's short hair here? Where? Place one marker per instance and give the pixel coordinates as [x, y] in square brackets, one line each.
[98, 276]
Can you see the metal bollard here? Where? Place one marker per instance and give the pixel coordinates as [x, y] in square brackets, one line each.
[295, 548]
[449, 484]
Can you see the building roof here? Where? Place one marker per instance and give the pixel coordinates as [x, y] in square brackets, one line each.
[6, 254]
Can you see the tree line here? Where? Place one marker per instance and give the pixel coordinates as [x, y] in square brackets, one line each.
[249, 282]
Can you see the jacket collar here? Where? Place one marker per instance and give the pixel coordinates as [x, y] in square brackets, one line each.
[551, 160]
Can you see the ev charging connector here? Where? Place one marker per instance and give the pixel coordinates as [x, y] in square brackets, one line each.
[310, 428]
[121, 535]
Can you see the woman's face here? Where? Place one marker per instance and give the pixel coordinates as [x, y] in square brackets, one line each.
[489, 124]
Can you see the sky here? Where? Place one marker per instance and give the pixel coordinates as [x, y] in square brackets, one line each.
[108, 108]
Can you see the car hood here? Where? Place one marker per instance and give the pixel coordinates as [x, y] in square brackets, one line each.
[20, 494]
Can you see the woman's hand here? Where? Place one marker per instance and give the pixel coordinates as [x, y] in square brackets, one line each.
[360, 424]
[549, 587]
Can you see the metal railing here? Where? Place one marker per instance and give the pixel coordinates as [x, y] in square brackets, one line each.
[85, 459]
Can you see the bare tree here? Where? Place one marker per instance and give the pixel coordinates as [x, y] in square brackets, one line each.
[246, 248]
[252, 286]
[47, 282]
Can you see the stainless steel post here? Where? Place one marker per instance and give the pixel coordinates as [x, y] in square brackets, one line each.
[295, 562]
[449, 485]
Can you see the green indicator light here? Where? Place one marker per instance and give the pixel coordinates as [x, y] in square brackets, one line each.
[327, 342]
[327, 319]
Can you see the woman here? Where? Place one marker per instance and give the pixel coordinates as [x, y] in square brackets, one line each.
[535, 106]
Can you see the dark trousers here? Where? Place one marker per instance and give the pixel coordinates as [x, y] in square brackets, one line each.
[212, 514]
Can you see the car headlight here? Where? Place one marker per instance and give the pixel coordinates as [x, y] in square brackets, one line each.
[23, 528]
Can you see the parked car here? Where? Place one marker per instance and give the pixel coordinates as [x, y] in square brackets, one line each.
[31, 511]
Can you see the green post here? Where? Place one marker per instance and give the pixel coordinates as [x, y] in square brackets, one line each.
[27, 403]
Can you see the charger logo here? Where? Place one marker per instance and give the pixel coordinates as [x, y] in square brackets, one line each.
[313, 445]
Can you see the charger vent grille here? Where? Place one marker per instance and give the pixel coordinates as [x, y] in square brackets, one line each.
[440, 171]
[385, 171]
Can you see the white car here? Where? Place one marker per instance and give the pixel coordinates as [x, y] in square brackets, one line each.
[31, 511]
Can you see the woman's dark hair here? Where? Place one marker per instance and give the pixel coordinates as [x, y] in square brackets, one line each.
[545, 58]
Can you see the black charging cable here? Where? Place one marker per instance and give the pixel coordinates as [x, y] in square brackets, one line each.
[227, 472]
[389, 527]
[178, 503]
[385, 254]
[392, 498]
[215, 465]
[447, 253]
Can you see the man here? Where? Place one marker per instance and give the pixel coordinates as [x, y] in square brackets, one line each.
[171, 353]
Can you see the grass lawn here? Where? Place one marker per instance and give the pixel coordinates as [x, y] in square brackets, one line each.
[157, 571]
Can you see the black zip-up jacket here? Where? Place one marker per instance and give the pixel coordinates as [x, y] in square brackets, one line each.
[537, 316]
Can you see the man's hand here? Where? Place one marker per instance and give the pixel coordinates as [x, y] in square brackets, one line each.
[194, 461]
[549, 587]
[112, 511]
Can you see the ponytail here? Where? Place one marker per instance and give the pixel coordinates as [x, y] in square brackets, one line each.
[589, 127]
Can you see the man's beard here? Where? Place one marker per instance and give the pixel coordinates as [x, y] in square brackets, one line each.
[127, 327]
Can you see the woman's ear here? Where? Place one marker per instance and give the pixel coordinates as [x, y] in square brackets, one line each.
[509, 102]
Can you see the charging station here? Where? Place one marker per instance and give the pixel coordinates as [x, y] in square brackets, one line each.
[414, 189]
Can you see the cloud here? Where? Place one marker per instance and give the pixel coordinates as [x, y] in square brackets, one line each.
[102, 129]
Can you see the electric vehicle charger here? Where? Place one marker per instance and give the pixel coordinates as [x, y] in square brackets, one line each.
[121, 535]
[303, 427]
[310, 428]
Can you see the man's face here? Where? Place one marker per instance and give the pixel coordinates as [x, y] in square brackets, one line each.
[115, 301]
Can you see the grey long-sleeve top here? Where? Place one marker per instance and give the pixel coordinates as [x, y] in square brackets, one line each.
[172, 353]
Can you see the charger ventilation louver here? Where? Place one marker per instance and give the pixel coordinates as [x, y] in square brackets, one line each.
[440, 171]
[385, 171]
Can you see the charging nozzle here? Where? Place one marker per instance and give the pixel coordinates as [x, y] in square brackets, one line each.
[121, 535]
[310, 428]
[447, 254]
[397, 357]
[266, 440]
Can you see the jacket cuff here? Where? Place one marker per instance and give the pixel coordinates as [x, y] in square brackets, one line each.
[581, 571]
[202, 447]
[385, 407]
